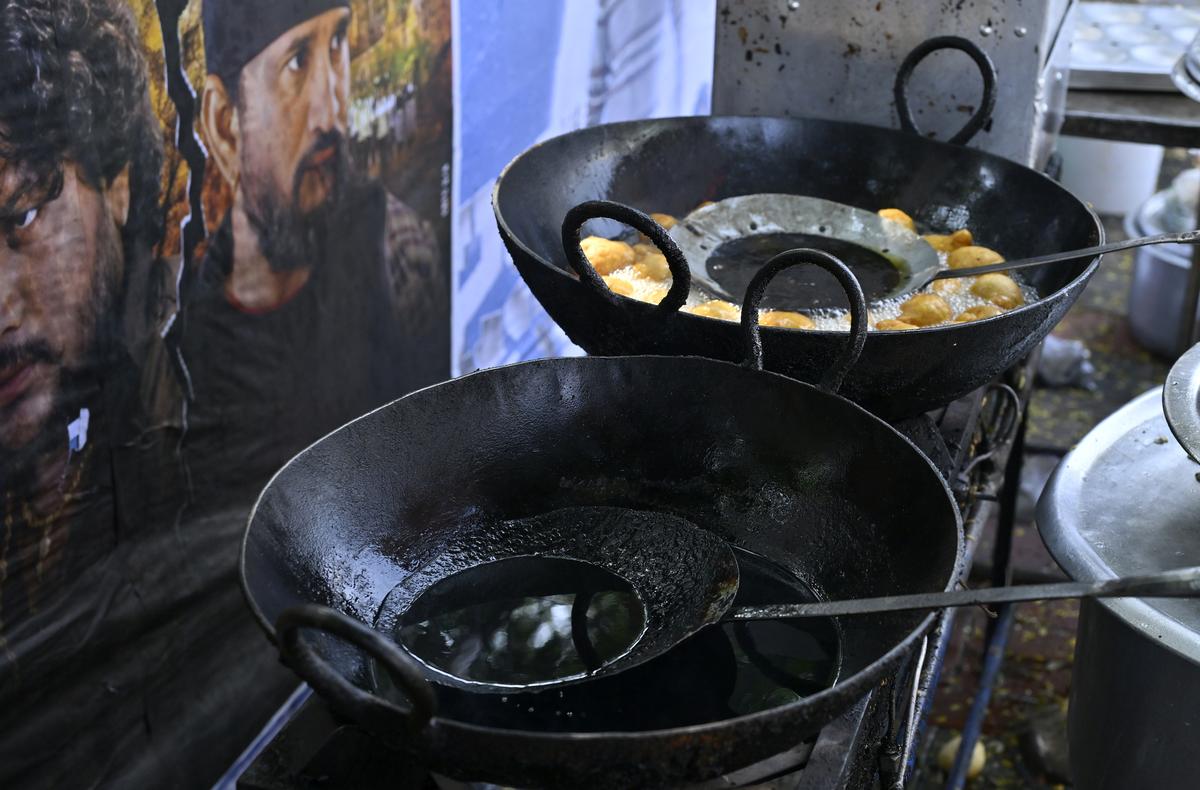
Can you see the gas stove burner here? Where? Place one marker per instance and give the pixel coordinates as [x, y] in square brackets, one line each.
[726, 243]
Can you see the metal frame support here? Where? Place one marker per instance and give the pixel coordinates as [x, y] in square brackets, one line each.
[998, 629]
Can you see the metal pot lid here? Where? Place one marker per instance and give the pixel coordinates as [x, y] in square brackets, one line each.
[1126, 500]
[1181, 401]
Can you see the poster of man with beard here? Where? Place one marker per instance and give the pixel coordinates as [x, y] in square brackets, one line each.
[86, 467]
[320, 294]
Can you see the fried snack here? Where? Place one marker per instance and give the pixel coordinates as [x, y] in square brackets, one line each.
[786, 320]
[896, 215]
[925, 310]
[977, 313]
[653, 267]
[957, 239]
[999, 289]
[619, 285]
[653, 295]
[606, 255]
[948, 286]
[666, 220]
[643, 249]
[892, 324]
[716, 309]
[971, 256]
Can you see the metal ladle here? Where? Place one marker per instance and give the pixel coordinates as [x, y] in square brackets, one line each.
[687, 579]
[702, 232]
[1179, 583]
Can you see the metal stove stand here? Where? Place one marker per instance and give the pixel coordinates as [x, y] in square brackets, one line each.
[975, 442]
[986, 436]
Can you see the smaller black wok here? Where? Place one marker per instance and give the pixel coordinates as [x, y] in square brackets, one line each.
[413, 493]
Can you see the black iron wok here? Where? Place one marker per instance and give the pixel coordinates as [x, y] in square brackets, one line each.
[773, 465]
[672, 165]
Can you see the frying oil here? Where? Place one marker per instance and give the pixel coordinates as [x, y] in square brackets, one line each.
[723, 671]
[868, 266]
[458, 626]
[734, 264]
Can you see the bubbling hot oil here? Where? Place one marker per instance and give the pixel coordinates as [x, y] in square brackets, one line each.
[734, 264]
[829, 319]
[723, 671]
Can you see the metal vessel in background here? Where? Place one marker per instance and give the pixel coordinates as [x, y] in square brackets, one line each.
[1126, 500]
[1160, 274]
[800, 59]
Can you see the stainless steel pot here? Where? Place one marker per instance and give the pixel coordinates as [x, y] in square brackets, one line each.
[1160, 275]
[1127, 500]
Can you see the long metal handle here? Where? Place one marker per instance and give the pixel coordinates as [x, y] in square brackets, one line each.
[1180, 583]
[1190, 237]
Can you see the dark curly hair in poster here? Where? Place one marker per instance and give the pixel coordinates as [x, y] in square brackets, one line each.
[75, 88]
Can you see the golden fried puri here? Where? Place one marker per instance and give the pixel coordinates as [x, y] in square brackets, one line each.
[977, 313]
[896, 215]
[999, 289]
[925, 310]
[892, 324]
[948, 286]
[971, 256]
[606, 255]
[786, 320]
[957, 239]
[666, 220]
[619, 285]
[653, 267]
[716, 309]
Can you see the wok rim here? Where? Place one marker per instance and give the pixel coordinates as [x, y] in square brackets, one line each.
[866, 677]
[1082, 277]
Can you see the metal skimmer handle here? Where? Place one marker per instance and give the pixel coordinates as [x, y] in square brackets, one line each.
[1188, 237]
[1180, 583]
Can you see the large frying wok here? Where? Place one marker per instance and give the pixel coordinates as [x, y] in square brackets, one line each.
[671, 165]
[775, 466]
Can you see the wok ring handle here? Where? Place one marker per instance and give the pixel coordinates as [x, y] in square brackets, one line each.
[681, 275]
[987, 70]
[832, 380]
[378, 715]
